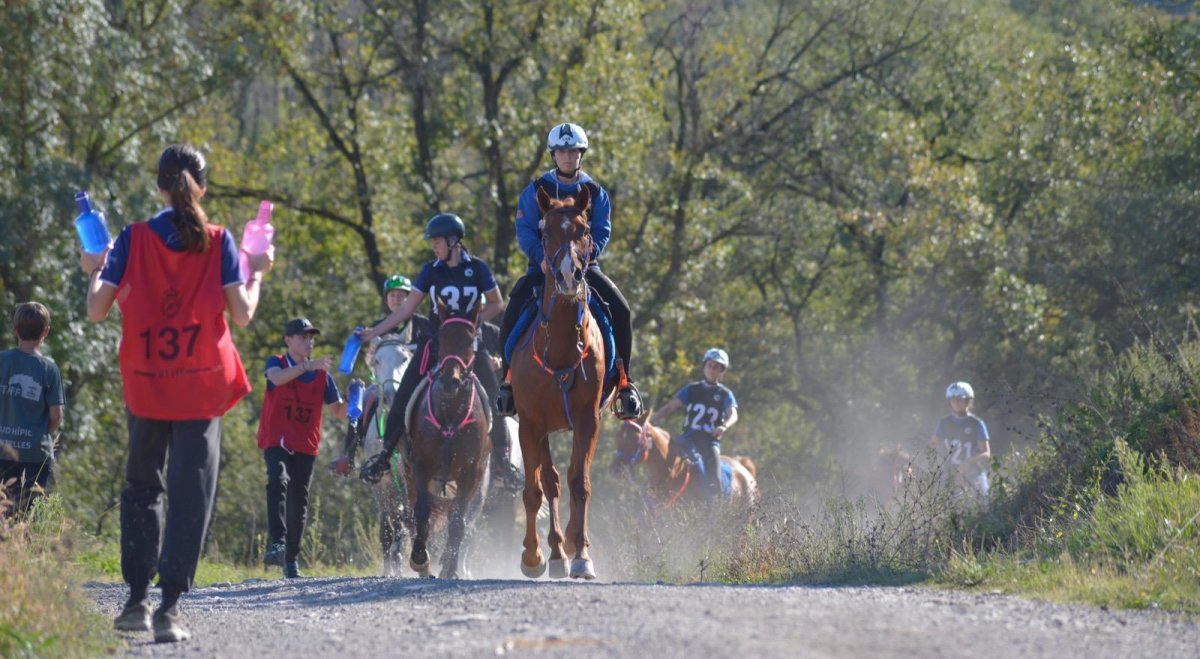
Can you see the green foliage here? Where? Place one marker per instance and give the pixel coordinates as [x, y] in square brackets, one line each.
[860, 201]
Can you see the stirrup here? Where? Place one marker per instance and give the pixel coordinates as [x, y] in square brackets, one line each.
[505, 405]
[629, 402]
[375, 467]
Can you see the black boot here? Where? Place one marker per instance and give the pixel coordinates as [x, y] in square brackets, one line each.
[629, 402]
[374, 467]
[504, 471]
[505, 405]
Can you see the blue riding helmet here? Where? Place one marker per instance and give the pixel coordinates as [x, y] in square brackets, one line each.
[717, 355]
[445, 225]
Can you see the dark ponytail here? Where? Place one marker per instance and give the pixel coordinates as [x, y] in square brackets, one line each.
[182, 173]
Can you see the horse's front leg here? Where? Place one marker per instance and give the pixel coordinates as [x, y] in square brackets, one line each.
[533, 564]
[455, 532]
[553, 486]
[419, 559]
[579, 480]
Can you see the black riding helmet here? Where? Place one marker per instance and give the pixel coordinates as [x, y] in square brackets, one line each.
[445, 225]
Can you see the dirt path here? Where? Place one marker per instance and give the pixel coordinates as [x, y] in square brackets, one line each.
[343, 617]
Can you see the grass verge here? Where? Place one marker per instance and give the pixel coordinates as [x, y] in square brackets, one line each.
[1138, 549]
[44, 609]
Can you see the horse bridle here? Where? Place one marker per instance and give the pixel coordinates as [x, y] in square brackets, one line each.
[567, 247]
[643, 448]
[466, 363]
[450, 430]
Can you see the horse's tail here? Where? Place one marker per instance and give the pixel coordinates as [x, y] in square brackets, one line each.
[748, 464]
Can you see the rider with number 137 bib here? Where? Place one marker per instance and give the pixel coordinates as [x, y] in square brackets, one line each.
[461, 282]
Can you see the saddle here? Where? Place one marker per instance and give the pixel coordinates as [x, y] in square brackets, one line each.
[600, 312]
[687, 449]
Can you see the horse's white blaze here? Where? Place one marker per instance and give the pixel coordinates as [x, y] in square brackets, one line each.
[566, 265]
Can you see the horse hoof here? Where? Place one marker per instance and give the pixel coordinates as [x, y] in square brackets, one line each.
[581, 568]
[535, 571]
[558, 568]
[420, 568]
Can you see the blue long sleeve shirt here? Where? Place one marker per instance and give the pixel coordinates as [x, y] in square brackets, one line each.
[529, 236]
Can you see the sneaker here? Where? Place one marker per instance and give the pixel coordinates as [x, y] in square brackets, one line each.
[505, 405]
[291, 570]
[135, 617]
[167, 627]
[274, 555]
[629, 403]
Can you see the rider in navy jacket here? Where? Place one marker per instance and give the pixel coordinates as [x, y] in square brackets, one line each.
[567, 143]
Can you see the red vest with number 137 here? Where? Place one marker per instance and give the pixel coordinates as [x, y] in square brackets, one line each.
[178, 361]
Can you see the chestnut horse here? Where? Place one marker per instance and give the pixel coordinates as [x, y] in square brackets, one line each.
[669, 478]
[449, 447]
[557, 370]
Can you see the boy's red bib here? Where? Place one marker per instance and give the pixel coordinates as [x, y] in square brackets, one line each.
[177, 357]
[291, 415]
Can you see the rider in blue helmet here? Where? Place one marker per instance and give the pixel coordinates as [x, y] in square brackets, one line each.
[567, 143]
[709, 409]
[461, 282]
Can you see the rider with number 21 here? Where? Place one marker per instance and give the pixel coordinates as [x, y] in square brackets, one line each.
[461, 282]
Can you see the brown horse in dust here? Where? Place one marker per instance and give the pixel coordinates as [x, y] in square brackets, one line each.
[669, 477]
[557, 371]
[447, 468]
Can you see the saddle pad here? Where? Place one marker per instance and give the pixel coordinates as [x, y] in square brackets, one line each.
[599, 312]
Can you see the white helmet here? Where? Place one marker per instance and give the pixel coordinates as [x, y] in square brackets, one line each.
[566, 136]
[960, 389]
[717, 355]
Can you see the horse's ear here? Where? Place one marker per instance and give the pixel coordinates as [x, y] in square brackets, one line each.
[474, 314]
[543, 200]
[443, 310]
[584, 199]
[646, 414]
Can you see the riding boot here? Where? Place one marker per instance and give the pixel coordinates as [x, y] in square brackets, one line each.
[505, 405]
[502, 467]
[374, 467]
[629, 399]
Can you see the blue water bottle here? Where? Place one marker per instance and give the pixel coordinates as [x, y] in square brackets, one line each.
[90, 226]
[350, 352]
[355, 409]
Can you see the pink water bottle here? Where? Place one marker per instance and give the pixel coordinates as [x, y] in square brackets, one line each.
[257, 236]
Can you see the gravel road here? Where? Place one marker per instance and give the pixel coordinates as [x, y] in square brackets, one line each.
[360, 617]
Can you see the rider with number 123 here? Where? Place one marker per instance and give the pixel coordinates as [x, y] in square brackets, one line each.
[461, 282]
[709, 409]
[567, 143]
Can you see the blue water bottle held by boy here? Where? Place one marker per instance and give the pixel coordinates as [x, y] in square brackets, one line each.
[90, 226]
[350, 352]
[355, 405]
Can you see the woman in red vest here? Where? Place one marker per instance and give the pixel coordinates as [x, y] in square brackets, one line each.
[174, 277]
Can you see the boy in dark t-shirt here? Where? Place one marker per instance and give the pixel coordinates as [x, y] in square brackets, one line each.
[31, 411]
